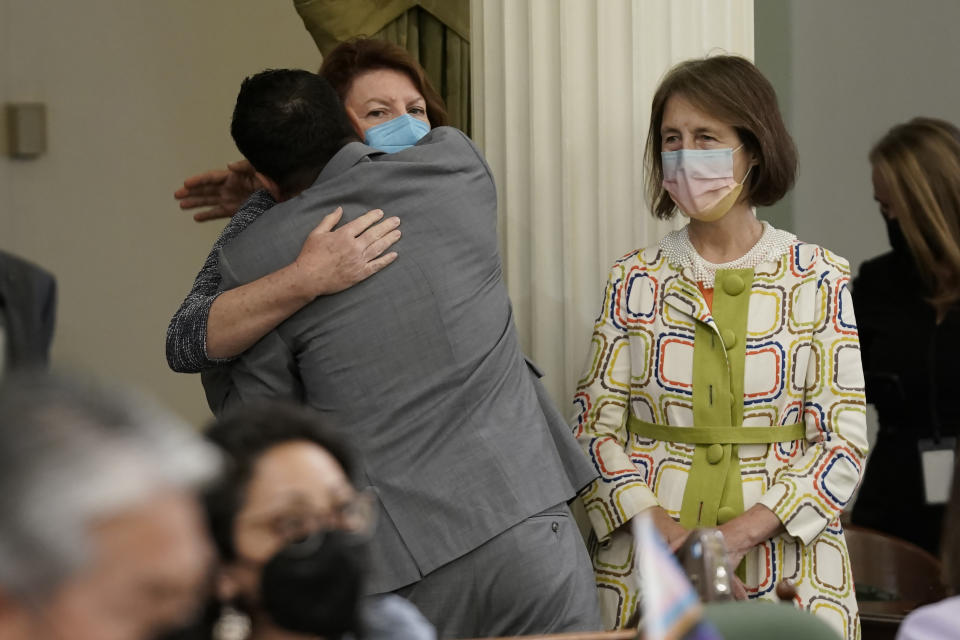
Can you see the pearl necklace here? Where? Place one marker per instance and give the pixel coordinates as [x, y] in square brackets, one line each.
[676, 245]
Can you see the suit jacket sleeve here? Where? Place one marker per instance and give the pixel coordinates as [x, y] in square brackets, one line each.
[479, 155]
[268, 369]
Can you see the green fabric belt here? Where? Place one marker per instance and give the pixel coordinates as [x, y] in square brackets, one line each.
[716, 435]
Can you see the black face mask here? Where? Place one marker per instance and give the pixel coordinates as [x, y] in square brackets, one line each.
[314, 586]
[897, 240]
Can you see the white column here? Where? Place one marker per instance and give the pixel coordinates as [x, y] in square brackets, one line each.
[562, 92]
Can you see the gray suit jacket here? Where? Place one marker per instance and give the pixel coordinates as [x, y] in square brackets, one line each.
[420, 364]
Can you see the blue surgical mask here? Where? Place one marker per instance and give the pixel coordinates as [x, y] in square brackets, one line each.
[397, 134]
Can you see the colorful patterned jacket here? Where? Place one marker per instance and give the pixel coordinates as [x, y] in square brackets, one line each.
[800, 364]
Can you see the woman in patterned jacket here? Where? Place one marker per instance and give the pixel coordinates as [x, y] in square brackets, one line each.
[723, 386]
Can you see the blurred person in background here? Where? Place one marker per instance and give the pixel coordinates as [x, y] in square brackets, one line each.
[908, 307]
[291, 532]
[101, 534]
[939, 620]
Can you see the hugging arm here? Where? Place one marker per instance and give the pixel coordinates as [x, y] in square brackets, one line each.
[211, 327]
[222, 190]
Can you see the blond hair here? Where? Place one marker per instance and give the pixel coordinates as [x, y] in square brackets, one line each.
[919, 162]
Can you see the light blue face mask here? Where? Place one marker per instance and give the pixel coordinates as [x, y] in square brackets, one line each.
[397, 134]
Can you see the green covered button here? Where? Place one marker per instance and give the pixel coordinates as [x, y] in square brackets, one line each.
[714, 453]
[725, 515]
[729, 338]
[733, 284]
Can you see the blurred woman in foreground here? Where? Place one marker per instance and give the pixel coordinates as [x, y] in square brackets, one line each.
[290, 530]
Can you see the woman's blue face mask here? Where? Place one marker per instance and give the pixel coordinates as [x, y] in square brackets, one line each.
[397, 134]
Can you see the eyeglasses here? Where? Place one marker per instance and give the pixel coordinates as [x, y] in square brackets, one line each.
[358, 515]
[355, 516]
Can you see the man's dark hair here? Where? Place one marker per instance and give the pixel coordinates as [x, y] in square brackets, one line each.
[246, 435]
[289, 123]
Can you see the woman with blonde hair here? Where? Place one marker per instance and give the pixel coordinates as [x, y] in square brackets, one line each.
[908, 305]
[724, 388]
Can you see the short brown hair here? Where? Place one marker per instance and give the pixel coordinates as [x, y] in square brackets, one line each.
[733, 90]
[919, 162]
[357, 56]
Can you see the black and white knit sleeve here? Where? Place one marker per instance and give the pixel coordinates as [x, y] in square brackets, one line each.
[187, 332]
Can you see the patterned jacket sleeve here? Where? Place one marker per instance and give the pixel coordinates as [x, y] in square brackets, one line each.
[809, 494]
[602, 401]
[187, 332]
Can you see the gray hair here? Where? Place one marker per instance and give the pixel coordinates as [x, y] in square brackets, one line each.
[71, 453]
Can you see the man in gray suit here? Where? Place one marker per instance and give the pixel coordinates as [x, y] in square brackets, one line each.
[421, 366]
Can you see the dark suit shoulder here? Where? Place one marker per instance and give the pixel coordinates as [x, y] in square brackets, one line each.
[16, 267]
[439, 146]
[29, 295]
[406, 183]
[447, 134]
[459, 145]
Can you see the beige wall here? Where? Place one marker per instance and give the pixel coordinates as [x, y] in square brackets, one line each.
[138, 96]
[848, 71]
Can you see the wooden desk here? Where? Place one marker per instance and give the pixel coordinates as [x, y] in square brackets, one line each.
[880, 620]
[626, 634]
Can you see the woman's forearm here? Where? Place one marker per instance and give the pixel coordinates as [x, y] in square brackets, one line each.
[329, 261]
[241, 316]
[187, 331]
[750, 528]
[673, 533]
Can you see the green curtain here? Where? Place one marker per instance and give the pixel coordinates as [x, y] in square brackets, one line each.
[435, 32]
[443, 54]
